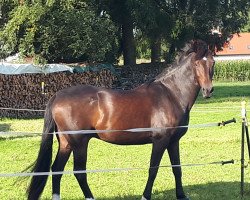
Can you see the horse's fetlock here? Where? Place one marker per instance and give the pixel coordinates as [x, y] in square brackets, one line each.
[143, 198]
[55, 197]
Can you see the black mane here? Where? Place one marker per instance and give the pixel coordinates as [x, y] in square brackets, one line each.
[198, 46]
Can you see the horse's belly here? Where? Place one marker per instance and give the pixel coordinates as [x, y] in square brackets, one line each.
[126, 138]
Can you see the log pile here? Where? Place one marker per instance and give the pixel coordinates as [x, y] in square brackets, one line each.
[133, 76]
[32, 91]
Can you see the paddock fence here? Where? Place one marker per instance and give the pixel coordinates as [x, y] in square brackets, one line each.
[241, 161]
[133, 130]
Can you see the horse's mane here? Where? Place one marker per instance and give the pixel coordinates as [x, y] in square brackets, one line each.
[198, 46]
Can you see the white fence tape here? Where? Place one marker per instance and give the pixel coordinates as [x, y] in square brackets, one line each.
[134, 130]
[21, 109]
[195, 109]
[23, 174]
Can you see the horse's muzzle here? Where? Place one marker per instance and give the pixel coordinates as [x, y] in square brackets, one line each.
[207, 92]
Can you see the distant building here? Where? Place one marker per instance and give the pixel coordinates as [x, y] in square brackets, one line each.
[237, 48]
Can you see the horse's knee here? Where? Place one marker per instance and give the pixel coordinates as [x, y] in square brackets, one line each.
[152, 174]
[81, 176]
[177, 171]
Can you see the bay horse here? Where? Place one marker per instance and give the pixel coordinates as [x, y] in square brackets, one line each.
[166, 101]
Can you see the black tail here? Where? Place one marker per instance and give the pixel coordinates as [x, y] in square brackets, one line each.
[43, 162]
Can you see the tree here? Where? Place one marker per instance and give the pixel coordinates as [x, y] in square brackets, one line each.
[140, 19]
[5, 8]
[154, 23]
[59, 31]
[247, 27]
[70, 30]
[120, 12]
[196, 19]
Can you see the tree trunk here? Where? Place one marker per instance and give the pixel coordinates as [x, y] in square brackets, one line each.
[155, 50]
[128, 42]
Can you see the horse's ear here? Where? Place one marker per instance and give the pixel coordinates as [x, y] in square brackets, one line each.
[200, 48]
[190, 46]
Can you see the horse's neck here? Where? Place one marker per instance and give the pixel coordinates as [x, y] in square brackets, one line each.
[181, 81]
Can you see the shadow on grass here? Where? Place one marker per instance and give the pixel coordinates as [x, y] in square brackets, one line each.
[7, 128]
[210, 191]
[227, 93]
[4, 127]
[13, 137]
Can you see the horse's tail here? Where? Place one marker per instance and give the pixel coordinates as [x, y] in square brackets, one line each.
[43, 161]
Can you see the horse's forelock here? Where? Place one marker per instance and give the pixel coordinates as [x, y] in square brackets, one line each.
[200, 48]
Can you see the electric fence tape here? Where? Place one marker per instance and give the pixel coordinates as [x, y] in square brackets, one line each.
[134, 130]
[23, 174]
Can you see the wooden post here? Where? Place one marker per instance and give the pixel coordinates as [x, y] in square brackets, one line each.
[244, 131]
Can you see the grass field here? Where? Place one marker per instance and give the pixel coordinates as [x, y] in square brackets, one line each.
[199, 145]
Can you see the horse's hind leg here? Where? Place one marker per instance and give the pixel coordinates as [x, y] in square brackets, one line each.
[80, 161]
[61, 159]
[174, 155]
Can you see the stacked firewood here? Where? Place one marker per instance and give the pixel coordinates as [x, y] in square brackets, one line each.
[32, 91]
[133, 76]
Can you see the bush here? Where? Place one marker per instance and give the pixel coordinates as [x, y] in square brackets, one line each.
[237, 70]
[57, 33]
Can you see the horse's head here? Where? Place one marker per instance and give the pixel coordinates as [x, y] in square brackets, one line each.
[204, 67]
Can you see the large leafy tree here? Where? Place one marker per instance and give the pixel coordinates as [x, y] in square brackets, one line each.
[121, 14]
[142, 24]
[247, 27]
[5, 8]
[173, 22]
[197, 19]
[154, 23]
[59, 31]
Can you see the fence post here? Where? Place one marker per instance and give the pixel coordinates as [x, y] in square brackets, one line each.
[243, 132]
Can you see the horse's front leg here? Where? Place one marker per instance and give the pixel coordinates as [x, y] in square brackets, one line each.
[174, 155]
[156, 156]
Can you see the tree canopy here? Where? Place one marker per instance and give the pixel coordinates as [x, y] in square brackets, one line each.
[59, 31]
[102, 30]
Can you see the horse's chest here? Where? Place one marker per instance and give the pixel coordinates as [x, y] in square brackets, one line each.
[165, 117]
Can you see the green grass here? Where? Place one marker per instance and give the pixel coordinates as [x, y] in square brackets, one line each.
[199, 145]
